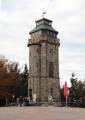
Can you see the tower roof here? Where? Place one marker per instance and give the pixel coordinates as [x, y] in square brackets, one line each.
[43, 24]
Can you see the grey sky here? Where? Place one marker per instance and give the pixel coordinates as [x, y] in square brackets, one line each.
[17, 18]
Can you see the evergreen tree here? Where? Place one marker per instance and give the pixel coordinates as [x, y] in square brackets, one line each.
[23, 87]
[62, 96]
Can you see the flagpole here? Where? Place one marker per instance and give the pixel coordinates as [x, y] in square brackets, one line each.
[66, 100]
[43, 13]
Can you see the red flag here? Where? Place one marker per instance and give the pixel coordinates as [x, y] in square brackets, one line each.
[66, 91]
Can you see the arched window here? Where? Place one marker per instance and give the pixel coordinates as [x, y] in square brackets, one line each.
[50, 70]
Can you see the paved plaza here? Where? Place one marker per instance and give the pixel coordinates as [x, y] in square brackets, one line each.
[41, 113]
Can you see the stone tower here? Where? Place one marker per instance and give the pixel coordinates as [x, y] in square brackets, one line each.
[43, 82]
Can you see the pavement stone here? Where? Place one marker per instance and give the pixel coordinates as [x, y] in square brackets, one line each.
[41, 113]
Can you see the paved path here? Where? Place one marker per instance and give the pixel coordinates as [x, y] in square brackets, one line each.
[41, 113]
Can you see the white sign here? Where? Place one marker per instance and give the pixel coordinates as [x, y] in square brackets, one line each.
[34, 97]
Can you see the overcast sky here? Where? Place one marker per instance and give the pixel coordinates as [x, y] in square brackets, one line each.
[17, 18]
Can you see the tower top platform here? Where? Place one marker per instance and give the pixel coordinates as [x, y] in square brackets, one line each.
[43, 24]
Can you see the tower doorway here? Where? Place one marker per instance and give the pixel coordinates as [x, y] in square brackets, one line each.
[30, 93]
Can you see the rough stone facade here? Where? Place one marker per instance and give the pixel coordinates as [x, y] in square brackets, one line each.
[43, 81]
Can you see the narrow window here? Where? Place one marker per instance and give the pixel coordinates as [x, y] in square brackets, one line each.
[51, 90]
[37, 64]
[30, 54]
[37, 50]
[50, 70]
[30, 68]
[55, 47]
[51, 51]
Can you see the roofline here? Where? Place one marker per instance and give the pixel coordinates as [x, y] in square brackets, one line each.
[43, 19]
[43, 29]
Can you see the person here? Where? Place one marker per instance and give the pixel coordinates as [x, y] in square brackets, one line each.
[27, 101]
[20, 101]
[17, 101]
